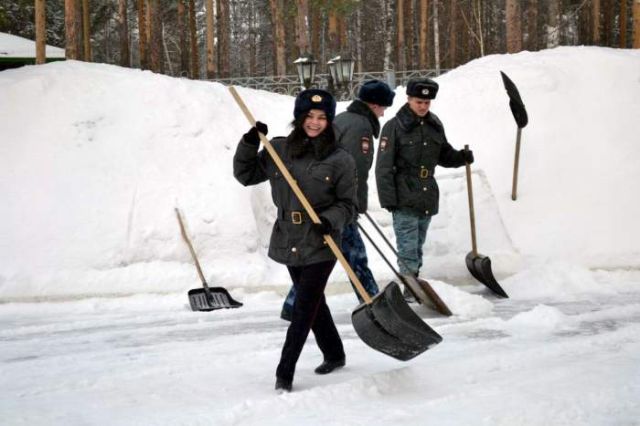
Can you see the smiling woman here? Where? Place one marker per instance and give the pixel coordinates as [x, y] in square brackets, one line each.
[326, 175]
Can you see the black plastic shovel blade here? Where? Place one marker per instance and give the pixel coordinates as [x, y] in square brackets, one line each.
[390, 326]
[515, 101]
[480, 268]
[218, 298]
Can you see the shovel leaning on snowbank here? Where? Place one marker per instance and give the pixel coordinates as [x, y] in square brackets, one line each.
[520, 115]
[477, 264]
[205, 298]
[385, 322]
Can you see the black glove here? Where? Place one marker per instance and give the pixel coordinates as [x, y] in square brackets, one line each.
[252, 136]
[322, 228]
[468, 156]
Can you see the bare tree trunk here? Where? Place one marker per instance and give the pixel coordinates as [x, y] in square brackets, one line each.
[595, 14]
[334, 41]
[388, 26]
[166, 50]
[195, 57]
[71, 42]
[436, 37]
[453, 35]
[277, 6]
[410, 35]
[155, 51]
[623, 24]
[79, 30]
[253, 59]
[423, 44]
[636, 24]
[87, 31]
[142, 34]
[211, 54]
[359, 39]
[225, 38]
[41, 32]
[182, 37]
[123, 27]
[316, 28]
[553, 26]
[532, 25]
[303, 30]
[514, 30]
[400, 46]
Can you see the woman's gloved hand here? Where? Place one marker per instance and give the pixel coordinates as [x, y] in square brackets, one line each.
[323, 228]
[252, 136]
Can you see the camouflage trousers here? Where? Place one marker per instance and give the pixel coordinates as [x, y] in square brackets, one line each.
[355, 252]
[410, 229]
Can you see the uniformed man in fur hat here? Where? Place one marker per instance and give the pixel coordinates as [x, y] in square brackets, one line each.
[411, 145]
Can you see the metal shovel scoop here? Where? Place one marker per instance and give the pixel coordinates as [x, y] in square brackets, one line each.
[385, 322]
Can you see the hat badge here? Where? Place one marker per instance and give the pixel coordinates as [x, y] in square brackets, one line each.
[425, 91]
[316, 98]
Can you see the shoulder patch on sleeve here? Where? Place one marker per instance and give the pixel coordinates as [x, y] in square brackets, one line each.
[383, 143]
[365, 145]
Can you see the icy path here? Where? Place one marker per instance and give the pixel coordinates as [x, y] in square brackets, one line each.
[150, 360]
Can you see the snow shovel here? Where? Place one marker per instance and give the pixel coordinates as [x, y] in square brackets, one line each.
[385, 322]
[477, 264]
[420, 288]
[520, 115]
[205, 298]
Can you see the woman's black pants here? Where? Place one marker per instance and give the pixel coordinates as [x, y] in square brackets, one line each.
[310, 312]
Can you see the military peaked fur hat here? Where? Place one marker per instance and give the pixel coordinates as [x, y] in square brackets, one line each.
[424, 88]
[315, 99]
[376, 92]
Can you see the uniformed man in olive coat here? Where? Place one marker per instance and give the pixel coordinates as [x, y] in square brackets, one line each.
[411, 145]
[355, 131]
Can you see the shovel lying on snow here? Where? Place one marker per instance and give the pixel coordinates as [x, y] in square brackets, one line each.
[205, 298]
[420, 288]
[386, 323]
[520, 115]
[477, 264]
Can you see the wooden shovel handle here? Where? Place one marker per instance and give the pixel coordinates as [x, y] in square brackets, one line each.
[186, 239]
[301, 197]
[516, 162]
[472, 215]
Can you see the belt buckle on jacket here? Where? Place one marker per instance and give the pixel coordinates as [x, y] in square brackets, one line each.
[424, 173]
[296, 218]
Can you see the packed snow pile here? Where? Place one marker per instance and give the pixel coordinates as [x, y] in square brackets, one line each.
[94, 159]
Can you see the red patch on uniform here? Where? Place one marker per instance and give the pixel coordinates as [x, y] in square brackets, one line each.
[383, 143]
[365, 145]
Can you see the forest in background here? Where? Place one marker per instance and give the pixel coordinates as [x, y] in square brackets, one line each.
[235, 38]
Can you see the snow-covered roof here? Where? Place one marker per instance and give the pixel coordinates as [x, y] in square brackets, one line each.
[12, 46]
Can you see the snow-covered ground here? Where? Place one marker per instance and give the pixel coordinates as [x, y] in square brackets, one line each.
[95, 323]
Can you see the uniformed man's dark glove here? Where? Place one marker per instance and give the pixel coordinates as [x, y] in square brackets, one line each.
[252, 136]
[322, 228]
[468, 156]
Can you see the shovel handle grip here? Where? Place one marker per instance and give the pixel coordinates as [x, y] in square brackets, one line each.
[301, 197]
[472, 214]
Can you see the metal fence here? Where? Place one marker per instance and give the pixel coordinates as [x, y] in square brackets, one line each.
[290, 84]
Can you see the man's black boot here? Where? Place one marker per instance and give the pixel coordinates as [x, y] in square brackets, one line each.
[328, 366]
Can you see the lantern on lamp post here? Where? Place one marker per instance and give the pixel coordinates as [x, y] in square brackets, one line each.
[341, 71]
[306, 67]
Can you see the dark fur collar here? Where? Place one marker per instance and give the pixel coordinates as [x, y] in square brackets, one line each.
[361, 108]
[408, 120]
